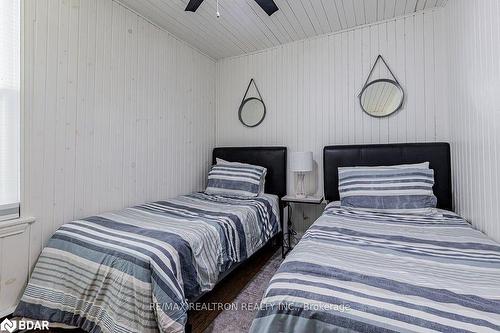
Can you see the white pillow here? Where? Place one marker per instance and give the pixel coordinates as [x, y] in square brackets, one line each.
[423, 165]
[221, 161]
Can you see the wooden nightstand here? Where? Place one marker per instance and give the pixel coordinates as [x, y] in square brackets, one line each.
[287, 224]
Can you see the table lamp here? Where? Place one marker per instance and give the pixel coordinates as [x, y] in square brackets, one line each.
[301, 163]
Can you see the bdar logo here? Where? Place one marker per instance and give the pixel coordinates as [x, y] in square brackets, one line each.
[11, 325]
[8, 326]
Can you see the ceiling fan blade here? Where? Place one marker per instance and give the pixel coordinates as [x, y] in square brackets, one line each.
[268, 5]
[193, 5]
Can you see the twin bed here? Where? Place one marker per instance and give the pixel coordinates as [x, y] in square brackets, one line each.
[355, 270]
[137, 270]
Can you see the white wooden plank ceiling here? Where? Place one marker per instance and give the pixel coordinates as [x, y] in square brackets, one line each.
[244, 27]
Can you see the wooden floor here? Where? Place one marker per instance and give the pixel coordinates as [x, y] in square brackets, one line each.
[227, 290]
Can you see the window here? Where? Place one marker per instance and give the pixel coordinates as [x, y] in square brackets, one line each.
[9, 108]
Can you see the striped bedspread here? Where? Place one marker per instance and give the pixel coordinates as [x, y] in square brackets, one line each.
[135, 270]
[357, 271]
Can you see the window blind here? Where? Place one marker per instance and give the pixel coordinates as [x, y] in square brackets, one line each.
[9, 108]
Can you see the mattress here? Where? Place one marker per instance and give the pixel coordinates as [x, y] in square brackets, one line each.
[135, 270]
[357, 271]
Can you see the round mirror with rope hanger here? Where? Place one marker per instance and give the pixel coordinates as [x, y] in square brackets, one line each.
[381, 97]
[252, 110]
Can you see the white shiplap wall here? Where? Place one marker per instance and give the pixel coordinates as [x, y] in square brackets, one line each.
[310, 89]
[116, 112]
[474, 72]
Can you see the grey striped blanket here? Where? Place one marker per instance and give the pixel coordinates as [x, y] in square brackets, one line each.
[357, 271]
[135, 270]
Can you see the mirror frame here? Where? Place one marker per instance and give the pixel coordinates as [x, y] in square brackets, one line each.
[245, 100]
[241, 110]
[369, 83]
[395, 83]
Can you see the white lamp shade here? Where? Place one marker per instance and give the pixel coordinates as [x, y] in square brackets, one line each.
[301, 161]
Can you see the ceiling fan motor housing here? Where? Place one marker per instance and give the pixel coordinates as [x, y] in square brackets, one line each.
[267, 5]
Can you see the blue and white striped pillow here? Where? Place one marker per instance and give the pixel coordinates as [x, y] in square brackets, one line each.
[238, 180]
[220, 161]
[390, 189]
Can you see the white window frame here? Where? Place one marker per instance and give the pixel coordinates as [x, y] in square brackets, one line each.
[11, 83]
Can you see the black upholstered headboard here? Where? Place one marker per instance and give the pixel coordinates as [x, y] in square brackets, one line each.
[438, 154]
[272, 158]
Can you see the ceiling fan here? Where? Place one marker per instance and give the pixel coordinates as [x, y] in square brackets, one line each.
[267, 5]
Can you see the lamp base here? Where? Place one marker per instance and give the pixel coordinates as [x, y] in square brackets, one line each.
[300, 191]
